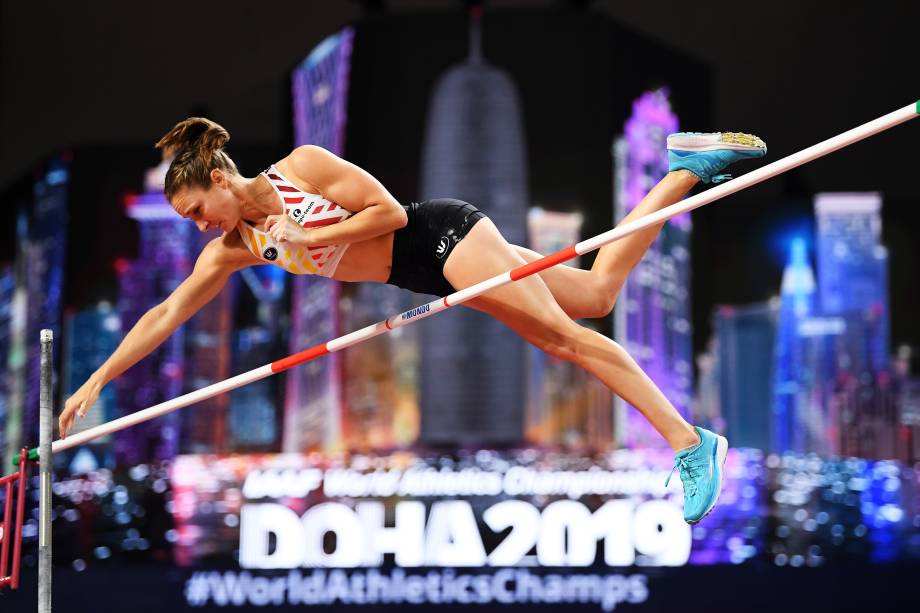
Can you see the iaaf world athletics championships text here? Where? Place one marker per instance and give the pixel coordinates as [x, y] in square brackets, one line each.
[371, 587]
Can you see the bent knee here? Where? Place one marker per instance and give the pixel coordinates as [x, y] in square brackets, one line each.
[603, 296]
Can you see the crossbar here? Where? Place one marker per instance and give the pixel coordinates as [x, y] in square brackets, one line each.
[426, 310]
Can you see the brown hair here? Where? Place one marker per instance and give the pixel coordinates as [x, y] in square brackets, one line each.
[197, 147]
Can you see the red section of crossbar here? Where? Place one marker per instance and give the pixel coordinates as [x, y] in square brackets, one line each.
[299, 358]
[543, 263]
[16, 532]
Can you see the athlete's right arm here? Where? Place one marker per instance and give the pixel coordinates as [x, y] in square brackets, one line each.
[214, 266]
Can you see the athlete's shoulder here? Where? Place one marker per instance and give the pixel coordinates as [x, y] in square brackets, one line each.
[311, 159]
[311, 167]
[311, 152]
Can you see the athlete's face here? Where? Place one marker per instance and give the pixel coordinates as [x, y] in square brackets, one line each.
[210, 209]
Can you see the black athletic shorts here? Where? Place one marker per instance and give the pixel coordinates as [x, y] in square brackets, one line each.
[422, 246]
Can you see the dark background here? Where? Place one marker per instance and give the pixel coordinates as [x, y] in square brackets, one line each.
[114, 76]
[851, 588]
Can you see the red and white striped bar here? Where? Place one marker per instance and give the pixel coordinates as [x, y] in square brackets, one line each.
[427, 310]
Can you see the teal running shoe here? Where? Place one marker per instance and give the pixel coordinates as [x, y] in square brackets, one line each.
[700, 470]
[705, 154]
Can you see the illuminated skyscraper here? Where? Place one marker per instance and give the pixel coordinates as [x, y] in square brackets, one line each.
[14, 438]
[805, 369]
[908, 400]
[207, 360]
[42, 251]
[313, 404]
[91, 336]
[164, 260]
[833, 390]
[853, 272]
[380, 390]
[7, 287]
[797, 302]
[472, 387]
[707, 401]
[745, 338]
[652, 315]
[256, 409]
[565, 404]
[853, 286]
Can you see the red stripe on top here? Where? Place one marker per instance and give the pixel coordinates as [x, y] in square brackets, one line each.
[299, 358]
[286, 188]
[275, 177]
[332, 206]
[543, 263]
[319, 209]
[320, 222]
[290, 200]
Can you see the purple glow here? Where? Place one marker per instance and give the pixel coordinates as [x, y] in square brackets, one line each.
[646, 132]
[313, 406]
[652, 319]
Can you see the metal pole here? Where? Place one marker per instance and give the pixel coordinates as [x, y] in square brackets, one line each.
[45, 435]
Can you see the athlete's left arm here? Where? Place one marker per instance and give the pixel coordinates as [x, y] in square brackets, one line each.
[376, 211]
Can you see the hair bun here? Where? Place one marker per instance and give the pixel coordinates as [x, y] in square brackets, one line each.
[198, 134]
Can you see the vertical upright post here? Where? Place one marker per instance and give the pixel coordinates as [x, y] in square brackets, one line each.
[46, 419]
[6, 526]
[20, 511]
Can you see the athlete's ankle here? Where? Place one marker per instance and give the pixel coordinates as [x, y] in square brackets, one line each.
[684, 177]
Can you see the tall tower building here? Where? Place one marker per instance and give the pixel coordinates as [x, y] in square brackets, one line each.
[208, 360]
[313, 404]
[833, 390]
[797, 303]
[853, 281]
[7, 288]
[565, 404]
[853, 272]
[707, 402]
[380, 386]
[652, 316]
[812, 393]
[472, 380]
[15, 438]
[164, 260]
[745, 339]
[42, 250]
[255, 412]
[91, 336]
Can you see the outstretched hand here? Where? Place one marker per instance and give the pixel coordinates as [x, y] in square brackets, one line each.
[78, 404]
[283, 229]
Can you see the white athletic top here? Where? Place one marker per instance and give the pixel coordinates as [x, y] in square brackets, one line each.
[310, 211]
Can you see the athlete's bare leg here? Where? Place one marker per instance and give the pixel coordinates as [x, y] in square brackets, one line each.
[592, 293]
[528, 307]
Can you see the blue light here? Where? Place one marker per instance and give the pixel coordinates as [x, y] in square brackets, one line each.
[782, 238]
[799, 252]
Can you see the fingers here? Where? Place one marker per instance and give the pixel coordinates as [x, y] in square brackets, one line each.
[69, 416]
[274, 226]
[279, 233]
[64, 423]
[271, 220]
